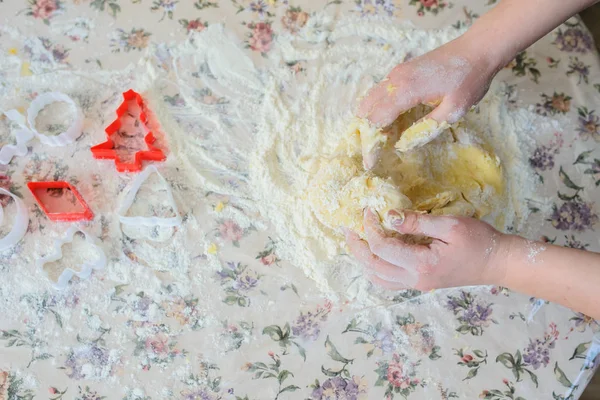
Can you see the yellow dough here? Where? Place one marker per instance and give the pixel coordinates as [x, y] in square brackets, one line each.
[342, 190]
[443, 177]
[419, 133]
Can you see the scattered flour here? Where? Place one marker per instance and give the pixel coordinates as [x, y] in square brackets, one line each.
[533, 251]
[258, 136]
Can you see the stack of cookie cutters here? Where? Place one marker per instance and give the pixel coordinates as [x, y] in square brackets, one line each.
[106, 150]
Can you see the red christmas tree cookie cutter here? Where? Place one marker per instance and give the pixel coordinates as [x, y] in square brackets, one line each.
[107, 149]
[58, 210]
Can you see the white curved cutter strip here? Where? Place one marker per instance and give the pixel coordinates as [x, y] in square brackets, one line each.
[64, 138]
[85, 269]
[130, 197]
[20, 224]
[22, 136]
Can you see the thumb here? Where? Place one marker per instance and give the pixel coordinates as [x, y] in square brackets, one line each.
[430, 126]
[414, 223]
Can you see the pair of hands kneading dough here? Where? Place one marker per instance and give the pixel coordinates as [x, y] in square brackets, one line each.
[462, 250]
[466, 251]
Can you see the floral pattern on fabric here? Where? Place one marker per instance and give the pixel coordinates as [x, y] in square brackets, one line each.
[225, 316]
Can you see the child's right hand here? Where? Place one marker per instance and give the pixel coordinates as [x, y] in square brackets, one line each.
[453, 77]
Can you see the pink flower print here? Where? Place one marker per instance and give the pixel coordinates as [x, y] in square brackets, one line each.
[262, 37]
[3, 385]
[43, 9]
[158, 344]
[395, 375]
[229, 230]
[195, 25]
[429, 3]
[467, 358]
[269, 259]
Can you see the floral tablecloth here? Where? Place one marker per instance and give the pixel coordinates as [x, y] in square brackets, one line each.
[256, 327]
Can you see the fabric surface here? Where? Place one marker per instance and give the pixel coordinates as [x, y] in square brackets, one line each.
[168, 326]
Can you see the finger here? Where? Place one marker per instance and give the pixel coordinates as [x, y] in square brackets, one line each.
[397, 99]
[371, 156]
[397, 93]
[391, 273]
[412, 223]
[387, 285]
[373, 97]
[390, 249]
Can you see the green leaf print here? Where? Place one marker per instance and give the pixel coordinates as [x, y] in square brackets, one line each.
[561, 377]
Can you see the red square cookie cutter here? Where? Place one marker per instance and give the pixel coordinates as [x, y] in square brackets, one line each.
[107, 150]
[84, 215]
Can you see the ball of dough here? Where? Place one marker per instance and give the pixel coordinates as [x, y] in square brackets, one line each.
[341, 190]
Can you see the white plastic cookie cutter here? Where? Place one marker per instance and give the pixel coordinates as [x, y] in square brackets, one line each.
[37, 105]
[20, 224]
[68, 273]
[147, 221]
[22, 137]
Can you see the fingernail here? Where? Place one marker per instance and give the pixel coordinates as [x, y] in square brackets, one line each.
[395, 218]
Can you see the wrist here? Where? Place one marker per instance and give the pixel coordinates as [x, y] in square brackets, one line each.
[485, 50]
[508, 249]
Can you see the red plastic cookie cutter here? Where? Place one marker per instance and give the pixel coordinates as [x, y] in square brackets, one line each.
[107, 149]
[53, 201]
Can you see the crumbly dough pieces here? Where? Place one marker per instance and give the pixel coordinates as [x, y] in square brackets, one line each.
[420, 133]
[448, 176]
[341, 190]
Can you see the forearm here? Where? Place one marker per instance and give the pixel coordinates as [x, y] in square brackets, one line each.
[561, 275]
[514, 25]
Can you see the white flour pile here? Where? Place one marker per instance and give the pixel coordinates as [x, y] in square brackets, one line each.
[301, 117]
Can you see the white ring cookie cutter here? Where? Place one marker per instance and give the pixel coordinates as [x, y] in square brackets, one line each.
[68, 273]
[36, 106]
[147, 221]
[22, 135]
[20, 224]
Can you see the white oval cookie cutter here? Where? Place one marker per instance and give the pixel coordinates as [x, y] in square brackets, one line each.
[64, 138]
[147, 221]
[20, 223]
[68, 273]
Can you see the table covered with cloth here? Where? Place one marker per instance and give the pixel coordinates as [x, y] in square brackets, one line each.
[174, 327]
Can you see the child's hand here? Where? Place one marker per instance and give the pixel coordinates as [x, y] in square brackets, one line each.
[453, 77]
[463, 252]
